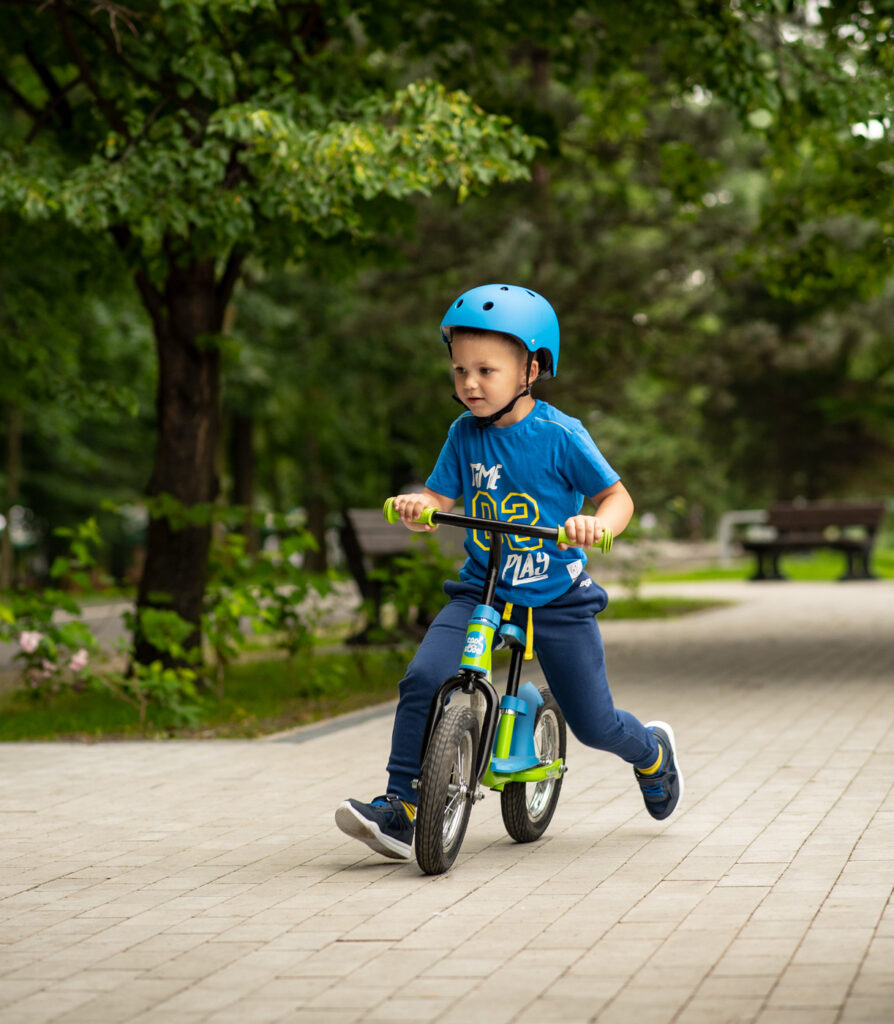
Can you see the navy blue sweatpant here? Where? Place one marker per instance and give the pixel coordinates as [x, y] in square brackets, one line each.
[569, 647]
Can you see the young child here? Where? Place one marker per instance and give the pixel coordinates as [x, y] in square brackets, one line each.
[516, 458]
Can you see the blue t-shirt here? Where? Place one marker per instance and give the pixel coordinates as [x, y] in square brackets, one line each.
[537, 471]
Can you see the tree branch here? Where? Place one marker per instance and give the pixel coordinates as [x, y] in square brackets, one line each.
[147, 124]
[232, 271]
[56, 92]
[115, 11]
[113, 45]
[18, 98]
[50, 109]
[71, 43]
[151, 296]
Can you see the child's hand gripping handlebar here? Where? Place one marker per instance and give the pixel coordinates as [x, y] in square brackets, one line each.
[434, 516]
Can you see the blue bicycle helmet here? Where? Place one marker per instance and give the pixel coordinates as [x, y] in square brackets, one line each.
[512, 310]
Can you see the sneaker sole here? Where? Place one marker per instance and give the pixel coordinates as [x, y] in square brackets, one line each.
[669, 732]
[358, 827]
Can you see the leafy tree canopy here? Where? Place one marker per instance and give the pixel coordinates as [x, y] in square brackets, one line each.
[196, 128]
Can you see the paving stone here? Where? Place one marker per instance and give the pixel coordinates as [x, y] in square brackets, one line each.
[185, 883]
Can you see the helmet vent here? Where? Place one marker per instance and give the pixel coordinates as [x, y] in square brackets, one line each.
[504, 288]
[459, 304]
[488, 305]
[533, 296]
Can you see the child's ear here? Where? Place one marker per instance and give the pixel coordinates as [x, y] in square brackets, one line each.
[535, 371]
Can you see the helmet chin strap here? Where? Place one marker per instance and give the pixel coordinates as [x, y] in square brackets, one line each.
[487, 421]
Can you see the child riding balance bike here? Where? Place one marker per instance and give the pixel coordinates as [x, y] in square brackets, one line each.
[518, 463]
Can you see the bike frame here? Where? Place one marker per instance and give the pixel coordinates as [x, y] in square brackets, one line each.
[506, 752]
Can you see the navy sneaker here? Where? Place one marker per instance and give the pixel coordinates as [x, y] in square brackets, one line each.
[383, 824]
[662, 789]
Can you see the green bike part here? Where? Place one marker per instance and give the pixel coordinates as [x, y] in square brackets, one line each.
[496, 781]
[604, 543]
[393, 516]
[503, 742]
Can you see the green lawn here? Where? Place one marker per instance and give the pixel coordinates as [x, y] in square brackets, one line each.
[817, 566]
[260, 697]
[655, 607]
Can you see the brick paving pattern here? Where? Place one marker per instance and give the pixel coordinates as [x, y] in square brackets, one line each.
[177, 883]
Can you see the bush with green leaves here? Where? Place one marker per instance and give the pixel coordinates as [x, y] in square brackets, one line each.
[56, 649]
[267, 593]
[414, 582]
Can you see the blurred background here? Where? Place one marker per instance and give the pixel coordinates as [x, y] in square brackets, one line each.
[230, 231]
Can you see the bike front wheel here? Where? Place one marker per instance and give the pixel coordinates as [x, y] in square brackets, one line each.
[446, 787]
[528, 807]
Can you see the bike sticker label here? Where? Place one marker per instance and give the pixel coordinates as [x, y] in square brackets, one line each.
[475, 644]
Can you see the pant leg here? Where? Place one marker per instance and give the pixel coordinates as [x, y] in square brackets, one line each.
[569, 646]
[436, 659]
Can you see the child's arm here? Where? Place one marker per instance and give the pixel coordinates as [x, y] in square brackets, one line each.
[614, 508]
[410, 507]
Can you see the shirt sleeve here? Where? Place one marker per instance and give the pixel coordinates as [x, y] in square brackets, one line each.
[446, 477]
[586, 468]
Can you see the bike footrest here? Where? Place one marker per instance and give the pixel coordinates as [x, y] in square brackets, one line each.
[506, 765]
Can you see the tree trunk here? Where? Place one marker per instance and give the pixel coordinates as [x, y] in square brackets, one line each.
[188, 413]
[13, 476]
[317, 512]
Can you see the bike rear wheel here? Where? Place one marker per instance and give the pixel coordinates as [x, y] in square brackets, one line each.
[528, 807]
[446, 787]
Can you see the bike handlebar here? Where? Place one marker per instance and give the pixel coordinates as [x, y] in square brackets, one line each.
[434, 516]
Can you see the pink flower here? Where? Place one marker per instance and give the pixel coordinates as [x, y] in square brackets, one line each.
[78, 661]
[29, 641]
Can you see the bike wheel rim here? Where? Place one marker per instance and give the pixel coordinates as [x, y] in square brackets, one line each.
[457, 790]
[546, 745]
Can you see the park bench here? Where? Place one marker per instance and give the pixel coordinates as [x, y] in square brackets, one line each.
[370, 543]
[847, 526]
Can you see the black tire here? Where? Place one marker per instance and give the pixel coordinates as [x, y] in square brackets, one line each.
[528, 807]
[446, 787]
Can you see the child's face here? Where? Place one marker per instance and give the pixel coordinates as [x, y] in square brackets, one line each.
[488, 372]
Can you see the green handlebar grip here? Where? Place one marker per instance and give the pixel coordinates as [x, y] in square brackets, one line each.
[389, 512]
[393, 516]
[604, 543]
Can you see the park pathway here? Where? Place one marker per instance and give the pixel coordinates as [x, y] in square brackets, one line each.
[178, 883]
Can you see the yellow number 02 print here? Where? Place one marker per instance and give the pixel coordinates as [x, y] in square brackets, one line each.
[514, 508]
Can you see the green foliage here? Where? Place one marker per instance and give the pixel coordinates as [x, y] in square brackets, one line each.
[270, 594]
[209, 128]
[54, 651]
[414, 581]
[261, 696]
[711, 215]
